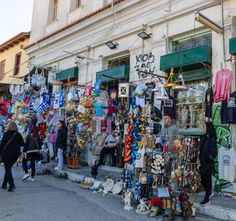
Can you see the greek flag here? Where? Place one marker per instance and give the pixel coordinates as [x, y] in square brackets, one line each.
[42, 108]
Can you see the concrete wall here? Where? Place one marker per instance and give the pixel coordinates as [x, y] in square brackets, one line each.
[41, 20]
[9, 56]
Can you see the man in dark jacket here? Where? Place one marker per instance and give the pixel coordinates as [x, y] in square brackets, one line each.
[30, 151]
[61, 144]
[208, 152]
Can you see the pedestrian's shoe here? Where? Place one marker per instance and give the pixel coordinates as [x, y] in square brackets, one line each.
[25, 177]
[212, 194]
[205, 202]
[4, 186]
[31, 179]
[56, 168]
[11, 188]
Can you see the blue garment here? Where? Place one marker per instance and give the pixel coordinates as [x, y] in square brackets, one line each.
[99, 109]
[47, 98]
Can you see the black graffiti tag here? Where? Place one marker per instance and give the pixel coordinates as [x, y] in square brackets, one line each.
[145, 65]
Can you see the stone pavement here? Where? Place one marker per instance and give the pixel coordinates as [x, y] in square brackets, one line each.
[222, 208]
[54, 199]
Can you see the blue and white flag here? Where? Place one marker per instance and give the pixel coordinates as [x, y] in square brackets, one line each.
[42, 108]
[61, 98]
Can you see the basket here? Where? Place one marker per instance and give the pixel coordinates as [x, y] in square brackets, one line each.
[73, 162]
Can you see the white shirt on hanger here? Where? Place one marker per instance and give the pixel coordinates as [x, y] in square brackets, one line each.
[226, 158]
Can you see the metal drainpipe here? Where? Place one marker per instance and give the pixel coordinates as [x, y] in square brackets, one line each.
[223, 28]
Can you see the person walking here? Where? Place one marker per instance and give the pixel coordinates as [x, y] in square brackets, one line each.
[30, 151]
[208, 152]
[61, 144]
[10, 149]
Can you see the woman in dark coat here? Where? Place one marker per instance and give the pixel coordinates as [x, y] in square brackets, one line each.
[10, 149]
[208, 152]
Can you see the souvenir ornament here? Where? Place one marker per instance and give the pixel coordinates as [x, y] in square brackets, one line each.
[128, 198]
[97, 87]
[123, 89]
[88, 90]
[108, 186]
[142, 208]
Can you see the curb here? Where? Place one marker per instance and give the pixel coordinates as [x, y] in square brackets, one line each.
[212, 211]
[217, 212]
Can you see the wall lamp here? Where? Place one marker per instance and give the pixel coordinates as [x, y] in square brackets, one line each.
[144, 35]
[208, 23]
[111, 44]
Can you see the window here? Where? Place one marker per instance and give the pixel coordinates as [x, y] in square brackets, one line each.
[105, 2]
[75, 4]
[78, 3]
[2, 68]
[55, 8]
[17, 64]
[115, 62]
[191, 41]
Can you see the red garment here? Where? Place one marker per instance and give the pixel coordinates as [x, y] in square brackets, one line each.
[223, 82]
[4, 107]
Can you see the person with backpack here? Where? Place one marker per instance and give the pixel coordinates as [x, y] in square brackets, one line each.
[10, 147]
[31, 152]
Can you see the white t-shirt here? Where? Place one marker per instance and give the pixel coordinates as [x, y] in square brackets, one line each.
[226, 158]
[140, 158]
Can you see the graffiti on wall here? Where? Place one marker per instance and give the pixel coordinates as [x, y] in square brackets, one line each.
[223, 133]
[145, 65]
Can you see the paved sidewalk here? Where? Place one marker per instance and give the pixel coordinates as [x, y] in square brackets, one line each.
[222, 208]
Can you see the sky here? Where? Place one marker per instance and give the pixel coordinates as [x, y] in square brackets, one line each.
[15, 17]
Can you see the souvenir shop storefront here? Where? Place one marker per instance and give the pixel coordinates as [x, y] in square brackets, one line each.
[160, 162]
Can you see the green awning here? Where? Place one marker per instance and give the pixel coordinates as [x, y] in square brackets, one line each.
[111, 74]
[68, 73]
[187, 60]
[194, 75]
[232, 46]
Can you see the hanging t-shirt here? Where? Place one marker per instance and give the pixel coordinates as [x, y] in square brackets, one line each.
[98, 127]
[56, 101]
[149, 93]
[223, 82]
[226, 158]
[169, 107]
[140, 101]
[139, 163]
[99, 108]
[228, 110]
[209, 102]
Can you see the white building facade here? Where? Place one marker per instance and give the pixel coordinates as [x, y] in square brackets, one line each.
[69, 33]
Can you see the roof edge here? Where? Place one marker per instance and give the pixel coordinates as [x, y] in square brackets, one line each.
[14, 40]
